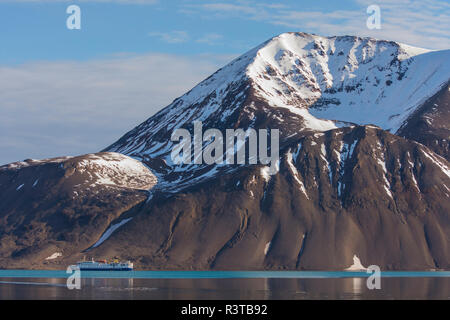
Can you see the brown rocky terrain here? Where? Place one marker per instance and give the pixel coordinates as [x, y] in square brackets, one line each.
[429, 124]
[63, 205]
[347, 191]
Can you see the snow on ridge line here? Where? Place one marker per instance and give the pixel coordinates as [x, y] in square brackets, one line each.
[32, 162]
[441, 165]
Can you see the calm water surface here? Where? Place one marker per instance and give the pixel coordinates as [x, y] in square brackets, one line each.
[202, 285]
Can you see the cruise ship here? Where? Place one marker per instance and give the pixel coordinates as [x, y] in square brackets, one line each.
[103, 265]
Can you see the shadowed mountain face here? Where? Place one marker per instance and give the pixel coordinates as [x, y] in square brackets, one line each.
[363, 171]
[64, 205]
[347, 191]
[429, 124]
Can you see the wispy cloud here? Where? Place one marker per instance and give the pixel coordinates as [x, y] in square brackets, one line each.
[172, 36]
[210, 38]
[58, 108]
[424, 23]
[249, 9]
[178, 36]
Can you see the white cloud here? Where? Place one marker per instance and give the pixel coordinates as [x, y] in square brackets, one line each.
[67, 108]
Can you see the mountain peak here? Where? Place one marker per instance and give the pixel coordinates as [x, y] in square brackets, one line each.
[347, 78]
[298, 83]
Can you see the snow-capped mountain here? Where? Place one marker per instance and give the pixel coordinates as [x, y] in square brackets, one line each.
[295, 82]
[350, 79]
[364, 170]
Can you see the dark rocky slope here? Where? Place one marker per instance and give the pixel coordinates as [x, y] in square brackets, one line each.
[299, 218]
[64, 205]
[430, 123]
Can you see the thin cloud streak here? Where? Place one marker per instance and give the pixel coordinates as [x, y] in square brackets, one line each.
[171, 37]
[210, 39]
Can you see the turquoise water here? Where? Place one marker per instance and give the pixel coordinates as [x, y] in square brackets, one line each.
[218, 274]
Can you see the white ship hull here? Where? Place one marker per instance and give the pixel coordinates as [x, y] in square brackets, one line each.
[99, 266]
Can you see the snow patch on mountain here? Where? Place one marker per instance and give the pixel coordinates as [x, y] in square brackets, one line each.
[110, 231]
[54, 256]
[114, 169]
[357, 265]
[439, 163]
[265, 173]
[295, 173]
[267, 248]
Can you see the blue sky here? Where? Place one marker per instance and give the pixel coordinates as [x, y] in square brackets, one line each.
[36, 30]
[76, 91]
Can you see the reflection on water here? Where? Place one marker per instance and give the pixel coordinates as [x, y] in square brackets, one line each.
[202, 289]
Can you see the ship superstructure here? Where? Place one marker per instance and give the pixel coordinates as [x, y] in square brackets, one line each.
[103, 265]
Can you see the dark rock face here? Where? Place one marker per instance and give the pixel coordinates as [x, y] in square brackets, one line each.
[349, 191]
[342, 189]
[64, 205]
[429, 124]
